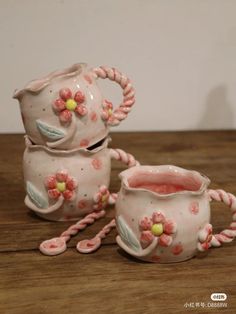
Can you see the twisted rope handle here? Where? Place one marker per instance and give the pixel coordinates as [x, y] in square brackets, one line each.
[124, 108]
[82, 224]
[124, 157]
[106, 229]
[229, 234]
[127, 159]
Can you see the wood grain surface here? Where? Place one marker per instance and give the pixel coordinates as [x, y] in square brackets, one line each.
[109, 281]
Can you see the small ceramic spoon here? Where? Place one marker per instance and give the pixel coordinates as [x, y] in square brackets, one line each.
[89, 246]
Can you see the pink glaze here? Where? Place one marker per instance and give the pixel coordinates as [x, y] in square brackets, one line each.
[68, 184]
[160, 188]
[65, 107]
[163, 214]
[153, 213]
[165, 182]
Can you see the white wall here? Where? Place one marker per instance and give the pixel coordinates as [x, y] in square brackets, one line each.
[180, 55]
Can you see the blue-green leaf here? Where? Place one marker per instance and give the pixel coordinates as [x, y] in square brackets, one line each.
[36, 197]
[49, 131]
[127, 234]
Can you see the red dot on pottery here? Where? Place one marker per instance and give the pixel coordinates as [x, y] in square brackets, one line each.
[88, 79]
[53, 246]
[96, 163]
[67, 217]
[90, 244]
[82, 204]
[194, 207]
[84, 142]
[177, 249]
[156, 258]
[93, 116]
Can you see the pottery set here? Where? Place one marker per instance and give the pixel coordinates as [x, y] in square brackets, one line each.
[162, 213]
[67, 162]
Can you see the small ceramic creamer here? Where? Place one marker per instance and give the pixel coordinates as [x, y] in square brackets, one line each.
[66, 109]
[163, 213]
[69, 184]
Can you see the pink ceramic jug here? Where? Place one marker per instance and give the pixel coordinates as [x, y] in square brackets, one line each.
[163, 213]
[69, 184]
[66, 110]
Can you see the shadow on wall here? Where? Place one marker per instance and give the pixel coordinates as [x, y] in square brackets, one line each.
[218, 110]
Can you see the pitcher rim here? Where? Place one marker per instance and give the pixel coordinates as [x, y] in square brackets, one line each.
[84, 150]
[36, 85]
[124, 176]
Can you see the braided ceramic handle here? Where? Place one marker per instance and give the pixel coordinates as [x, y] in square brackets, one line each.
[229, 234]
[126, 158]
[124, 108]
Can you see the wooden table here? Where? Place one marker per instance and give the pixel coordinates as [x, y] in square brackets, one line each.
[109, 281]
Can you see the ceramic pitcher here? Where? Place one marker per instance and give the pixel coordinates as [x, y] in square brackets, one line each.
[66, 109]
[163, 213]
[67, 185]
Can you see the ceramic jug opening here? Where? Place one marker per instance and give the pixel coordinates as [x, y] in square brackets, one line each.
[166, 182]
[96, 145]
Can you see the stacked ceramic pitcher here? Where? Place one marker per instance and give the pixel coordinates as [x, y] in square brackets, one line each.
[67, 161]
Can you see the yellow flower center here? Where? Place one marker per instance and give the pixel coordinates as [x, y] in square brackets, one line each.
[71, 104]
[61, 186]
[157, 229]
[104, 198]
[110, 112]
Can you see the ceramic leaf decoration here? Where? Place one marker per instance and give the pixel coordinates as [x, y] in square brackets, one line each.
[36, 196]
[127, 234]
[49, 131]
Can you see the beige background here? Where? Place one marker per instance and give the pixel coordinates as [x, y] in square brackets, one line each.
[180, 55]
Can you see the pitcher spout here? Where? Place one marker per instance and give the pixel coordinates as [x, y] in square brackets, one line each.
[35, 86]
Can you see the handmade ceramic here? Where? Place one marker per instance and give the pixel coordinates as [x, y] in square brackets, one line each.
[163, 213]
[66, 109]
[66, 185]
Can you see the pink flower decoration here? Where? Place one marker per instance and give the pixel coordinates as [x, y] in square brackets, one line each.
[67, 103]
[204, 238]
[101, 198]
[157, 226]
[107, 112]
[61, 184]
